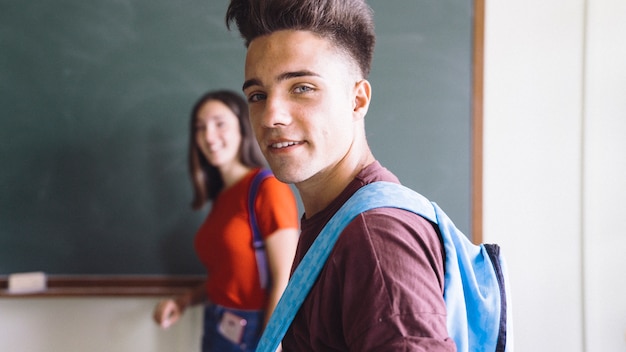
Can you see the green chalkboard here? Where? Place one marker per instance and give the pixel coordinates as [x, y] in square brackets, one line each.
[94, 102]
[420, 120]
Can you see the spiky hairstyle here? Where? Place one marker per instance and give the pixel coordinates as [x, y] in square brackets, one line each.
[348, 24]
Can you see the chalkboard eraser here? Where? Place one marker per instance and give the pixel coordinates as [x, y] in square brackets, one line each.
[33, 282]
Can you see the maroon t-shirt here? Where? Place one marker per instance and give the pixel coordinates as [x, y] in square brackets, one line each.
[382, 286]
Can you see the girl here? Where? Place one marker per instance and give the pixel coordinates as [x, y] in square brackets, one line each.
[224, 159]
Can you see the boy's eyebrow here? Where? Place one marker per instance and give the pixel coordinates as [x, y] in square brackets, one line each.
[250, 82]
[281, 77]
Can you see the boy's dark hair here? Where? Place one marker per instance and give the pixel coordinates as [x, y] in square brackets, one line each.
[349, 24]
[206, 179]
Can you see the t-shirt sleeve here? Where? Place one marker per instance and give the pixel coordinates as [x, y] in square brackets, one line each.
[395, 266]
[275, 207]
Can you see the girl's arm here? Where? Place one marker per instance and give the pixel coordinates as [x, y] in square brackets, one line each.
[168, 311]
[280, 247]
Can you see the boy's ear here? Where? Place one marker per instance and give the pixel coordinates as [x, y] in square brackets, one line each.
[362, 97]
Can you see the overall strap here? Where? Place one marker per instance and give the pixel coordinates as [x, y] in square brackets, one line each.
[257, 239]
[373, 195]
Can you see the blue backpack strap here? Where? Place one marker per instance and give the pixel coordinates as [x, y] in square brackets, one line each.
[257, 239]
[366, 198]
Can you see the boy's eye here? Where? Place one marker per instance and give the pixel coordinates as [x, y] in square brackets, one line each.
[255, 97]
[302, 89]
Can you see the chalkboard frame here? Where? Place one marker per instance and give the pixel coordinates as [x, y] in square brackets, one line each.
[166, 285]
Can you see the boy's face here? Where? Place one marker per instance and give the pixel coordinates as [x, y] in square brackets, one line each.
[300, 91]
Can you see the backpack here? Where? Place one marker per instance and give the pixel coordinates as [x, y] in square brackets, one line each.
[476, 290]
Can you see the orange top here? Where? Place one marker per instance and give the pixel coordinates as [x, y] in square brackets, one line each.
[224, 241]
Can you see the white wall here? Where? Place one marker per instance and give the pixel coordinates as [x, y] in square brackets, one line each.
[532, 165]
[604, 184]
[555, 168]
[554, 183]
[92, 325]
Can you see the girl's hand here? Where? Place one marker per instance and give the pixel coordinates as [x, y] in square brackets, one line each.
[167, 312]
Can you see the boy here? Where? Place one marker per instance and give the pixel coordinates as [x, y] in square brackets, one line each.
[306, 83]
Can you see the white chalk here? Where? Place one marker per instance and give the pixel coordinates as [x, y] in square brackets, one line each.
[27, 282]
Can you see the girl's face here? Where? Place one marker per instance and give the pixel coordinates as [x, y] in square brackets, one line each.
[218, 134]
